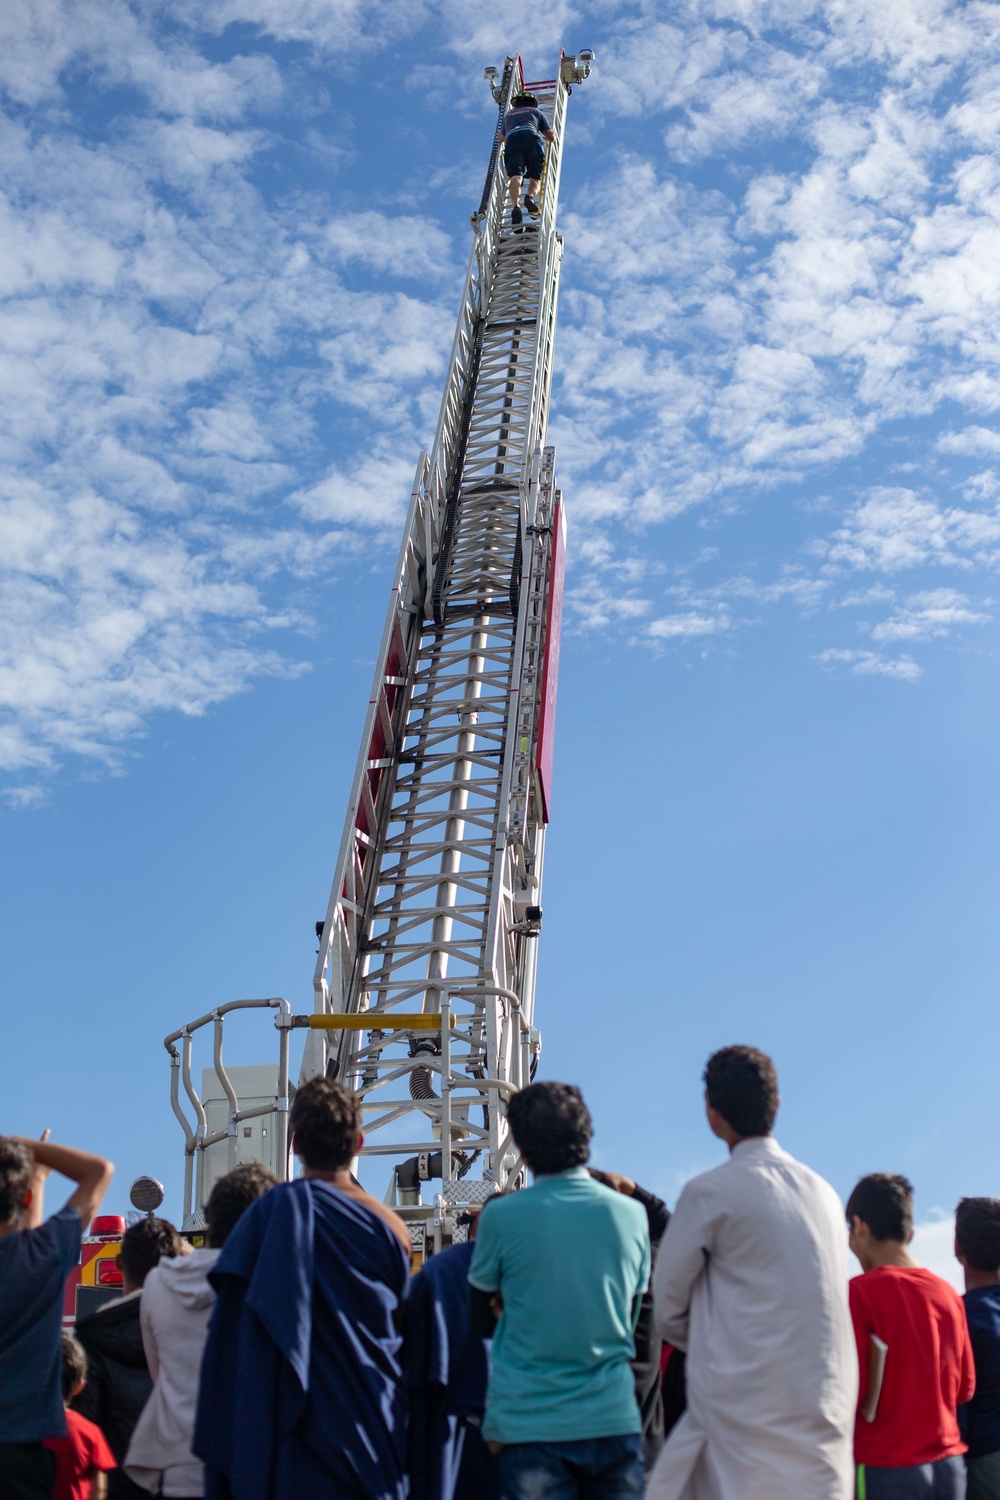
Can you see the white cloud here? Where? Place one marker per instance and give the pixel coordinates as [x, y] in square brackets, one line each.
[374, 493]
[172, 348]
[400, 245]
[934, 613]
[970, 440]
[30, 795]
[209, 366]
[871, 664]
[686, 625]
[896, 528]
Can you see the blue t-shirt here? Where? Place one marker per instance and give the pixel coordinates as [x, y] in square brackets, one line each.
[34, 1264]
[570, 1259]
[524, 118]
[980, 1417]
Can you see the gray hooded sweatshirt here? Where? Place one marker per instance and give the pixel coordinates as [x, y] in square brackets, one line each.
[177, 1302]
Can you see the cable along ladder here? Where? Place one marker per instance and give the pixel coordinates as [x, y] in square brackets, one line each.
[424, 985]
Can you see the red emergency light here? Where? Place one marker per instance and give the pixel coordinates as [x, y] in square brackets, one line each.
[107, 1227]
[108, 1274]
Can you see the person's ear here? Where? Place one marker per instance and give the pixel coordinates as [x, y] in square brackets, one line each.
[28, 1199]
[361, 1141]
[958, 1252]
[295, 1148]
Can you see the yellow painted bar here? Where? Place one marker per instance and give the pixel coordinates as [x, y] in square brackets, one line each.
[378, 1020]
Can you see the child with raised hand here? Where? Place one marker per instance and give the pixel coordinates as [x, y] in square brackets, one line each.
[35, 1259]
[82, 1456]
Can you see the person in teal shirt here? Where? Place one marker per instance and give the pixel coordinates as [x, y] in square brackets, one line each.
[565, 1263]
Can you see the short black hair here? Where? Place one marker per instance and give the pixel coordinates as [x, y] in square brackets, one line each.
[143, 1246]
[884, 1202]
[74, 1363]
[232, 1195]
[325, 1120]
[15, 1177]
[551, 1126]
[741, 1083]
[977, 1232]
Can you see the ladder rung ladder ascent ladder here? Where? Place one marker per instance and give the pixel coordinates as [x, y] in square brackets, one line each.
[424, 983]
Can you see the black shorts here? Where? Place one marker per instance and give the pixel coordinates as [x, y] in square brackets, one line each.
[524, 154]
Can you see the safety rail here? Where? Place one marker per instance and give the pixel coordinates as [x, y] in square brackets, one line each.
[197, 1138]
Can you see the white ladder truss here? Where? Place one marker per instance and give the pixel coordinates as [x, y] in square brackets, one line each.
[424, 984]
[425, 980]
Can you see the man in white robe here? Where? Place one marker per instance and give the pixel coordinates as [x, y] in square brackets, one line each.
[751, 1281]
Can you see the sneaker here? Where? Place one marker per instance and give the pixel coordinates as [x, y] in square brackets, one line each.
[516, 216]
[532, 206]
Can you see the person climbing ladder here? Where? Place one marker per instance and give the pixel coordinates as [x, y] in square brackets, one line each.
[523, 131]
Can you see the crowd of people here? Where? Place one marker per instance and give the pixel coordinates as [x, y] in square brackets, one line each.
[583, 1342]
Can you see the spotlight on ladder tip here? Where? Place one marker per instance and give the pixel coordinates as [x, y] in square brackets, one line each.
[576, 69]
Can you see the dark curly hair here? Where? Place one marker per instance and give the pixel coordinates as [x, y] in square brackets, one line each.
[884, 1202]
[325, 1120]
[144, 1245]
[551, 1126]
[74, 1363]
[742, 1085]
[977, 1232]
[232, 1195]
[15, 1177]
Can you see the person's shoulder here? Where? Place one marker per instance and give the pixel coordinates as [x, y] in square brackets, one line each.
[77, 1422]
[87, 1438]
[502, 1205]
[940, 1289]
[122, 1310]
[360, 1201]
[446, 1265]
[712, 1181]
[58, 1239]
[80, 1429]
[621, 1207]
[983, 1299]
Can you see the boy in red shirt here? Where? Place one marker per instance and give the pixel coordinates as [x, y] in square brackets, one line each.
[914, 1352]
[82, 1456]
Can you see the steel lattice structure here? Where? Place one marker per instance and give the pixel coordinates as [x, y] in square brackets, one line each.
[425, 978]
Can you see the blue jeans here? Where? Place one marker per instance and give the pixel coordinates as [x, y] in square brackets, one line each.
[943, 1480]
[607, 1468]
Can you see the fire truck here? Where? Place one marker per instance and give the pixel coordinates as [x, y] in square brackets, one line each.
[424, 985]
[97, 1278]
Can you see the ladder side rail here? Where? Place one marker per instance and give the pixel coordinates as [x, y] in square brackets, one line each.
[551, 259]
[475, 293]
[449, 449]
[331, 978]
[514, 877]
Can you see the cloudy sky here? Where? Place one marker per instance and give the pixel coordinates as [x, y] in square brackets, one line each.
[232, 238]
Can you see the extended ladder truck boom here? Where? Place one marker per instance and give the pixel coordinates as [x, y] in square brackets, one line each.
[424, 986]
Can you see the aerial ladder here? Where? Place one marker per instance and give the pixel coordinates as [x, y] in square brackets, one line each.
[424, 985]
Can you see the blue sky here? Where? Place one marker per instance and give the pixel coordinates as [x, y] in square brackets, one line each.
[232, 242]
